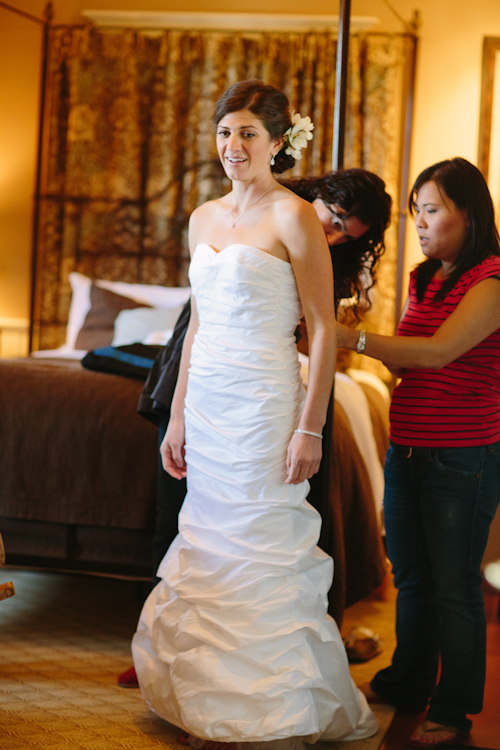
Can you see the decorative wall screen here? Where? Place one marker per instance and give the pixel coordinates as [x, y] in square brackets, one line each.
[129, 148]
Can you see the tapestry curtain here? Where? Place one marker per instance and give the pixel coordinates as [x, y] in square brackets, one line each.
[129, 147]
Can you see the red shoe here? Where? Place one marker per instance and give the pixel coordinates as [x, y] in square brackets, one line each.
[128, 679]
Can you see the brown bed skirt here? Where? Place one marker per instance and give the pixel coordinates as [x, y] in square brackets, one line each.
[77, 468]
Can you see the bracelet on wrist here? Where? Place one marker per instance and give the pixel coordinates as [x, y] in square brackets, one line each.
[308, 432]
[361, 344]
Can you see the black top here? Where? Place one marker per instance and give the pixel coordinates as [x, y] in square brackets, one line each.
[158, 391]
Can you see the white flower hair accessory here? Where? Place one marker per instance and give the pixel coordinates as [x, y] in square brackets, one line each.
[297, 136]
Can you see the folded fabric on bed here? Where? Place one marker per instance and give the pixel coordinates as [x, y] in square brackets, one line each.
[132, 360]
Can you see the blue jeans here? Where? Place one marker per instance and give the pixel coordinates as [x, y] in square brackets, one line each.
[438, 507]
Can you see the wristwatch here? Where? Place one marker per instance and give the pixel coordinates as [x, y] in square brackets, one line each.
[361, 345]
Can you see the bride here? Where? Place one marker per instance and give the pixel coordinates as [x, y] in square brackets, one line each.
[234, 644]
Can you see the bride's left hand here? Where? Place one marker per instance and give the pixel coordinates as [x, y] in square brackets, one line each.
[303, 458]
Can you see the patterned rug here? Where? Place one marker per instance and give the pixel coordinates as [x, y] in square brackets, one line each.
[65, 638]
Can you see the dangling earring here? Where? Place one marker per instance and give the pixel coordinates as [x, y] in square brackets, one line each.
[273, 161]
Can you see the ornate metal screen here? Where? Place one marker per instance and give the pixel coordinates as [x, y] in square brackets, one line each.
[129, 149]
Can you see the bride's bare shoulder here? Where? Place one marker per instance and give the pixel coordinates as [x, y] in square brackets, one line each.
[208, 209]
[202, 216]
[292, 205]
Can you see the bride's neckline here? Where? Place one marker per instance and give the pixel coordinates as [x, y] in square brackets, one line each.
[243, 245]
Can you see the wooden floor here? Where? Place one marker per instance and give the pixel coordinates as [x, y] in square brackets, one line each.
[486, 725]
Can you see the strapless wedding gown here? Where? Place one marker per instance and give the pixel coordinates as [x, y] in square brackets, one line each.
[235, 643]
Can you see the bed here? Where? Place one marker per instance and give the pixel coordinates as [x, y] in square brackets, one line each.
[78, 464]
[78, 469]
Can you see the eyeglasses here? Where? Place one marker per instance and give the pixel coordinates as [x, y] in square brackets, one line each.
[337, 220]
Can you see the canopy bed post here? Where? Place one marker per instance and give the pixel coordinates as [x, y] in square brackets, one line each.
[404, 157]
[320, 486]
[341, 70]
[341, 75]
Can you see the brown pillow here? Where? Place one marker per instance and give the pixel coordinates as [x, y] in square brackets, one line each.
[99, 325]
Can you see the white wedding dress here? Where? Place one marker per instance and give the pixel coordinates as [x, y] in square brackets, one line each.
[234, 643]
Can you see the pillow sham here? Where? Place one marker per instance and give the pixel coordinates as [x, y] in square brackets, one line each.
[149, 294]
[137, 325]
[99, 326]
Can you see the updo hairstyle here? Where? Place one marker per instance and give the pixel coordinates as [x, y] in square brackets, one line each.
[267, 103]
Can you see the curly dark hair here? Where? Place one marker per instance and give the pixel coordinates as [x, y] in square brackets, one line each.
[361, 194]
[267, 103]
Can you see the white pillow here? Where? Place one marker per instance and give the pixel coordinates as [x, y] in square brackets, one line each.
[79, 307]
[135, 326]
[159, 338]
[151, 294]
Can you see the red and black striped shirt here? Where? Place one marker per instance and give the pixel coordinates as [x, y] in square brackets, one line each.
[458, 405]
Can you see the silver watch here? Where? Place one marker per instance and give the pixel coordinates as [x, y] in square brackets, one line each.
[361, 345]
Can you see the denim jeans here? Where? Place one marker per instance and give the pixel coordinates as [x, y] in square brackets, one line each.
[438, 507]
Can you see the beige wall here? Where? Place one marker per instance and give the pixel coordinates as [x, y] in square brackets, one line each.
[19, 85]
[446, 111]
[446, 121]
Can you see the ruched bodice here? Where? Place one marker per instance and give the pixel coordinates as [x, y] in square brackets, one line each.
[234, 643]
[242, 289]
[244, 352]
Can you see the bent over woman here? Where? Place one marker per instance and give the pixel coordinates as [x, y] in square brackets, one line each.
[442, 473]
[234, 644]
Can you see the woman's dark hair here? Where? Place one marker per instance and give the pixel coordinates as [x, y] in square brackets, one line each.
[361, 194]
[461, 182]
[267, 103]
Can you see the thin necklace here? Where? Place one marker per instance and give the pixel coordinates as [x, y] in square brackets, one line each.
[250, 206]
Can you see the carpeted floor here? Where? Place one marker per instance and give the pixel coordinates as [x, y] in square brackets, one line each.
[65, 638]
[380, 616]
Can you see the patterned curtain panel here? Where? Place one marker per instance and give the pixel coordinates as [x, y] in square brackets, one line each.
[130, 149]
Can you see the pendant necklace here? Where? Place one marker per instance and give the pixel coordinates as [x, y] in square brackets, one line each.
[250, 206]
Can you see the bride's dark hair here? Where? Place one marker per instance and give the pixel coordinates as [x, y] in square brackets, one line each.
[267, 103]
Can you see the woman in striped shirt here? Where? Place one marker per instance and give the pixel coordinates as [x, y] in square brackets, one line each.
[443, 465]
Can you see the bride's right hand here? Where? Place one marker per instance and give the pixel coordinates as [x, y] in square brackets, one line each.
[303, 458]
[172, 449]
